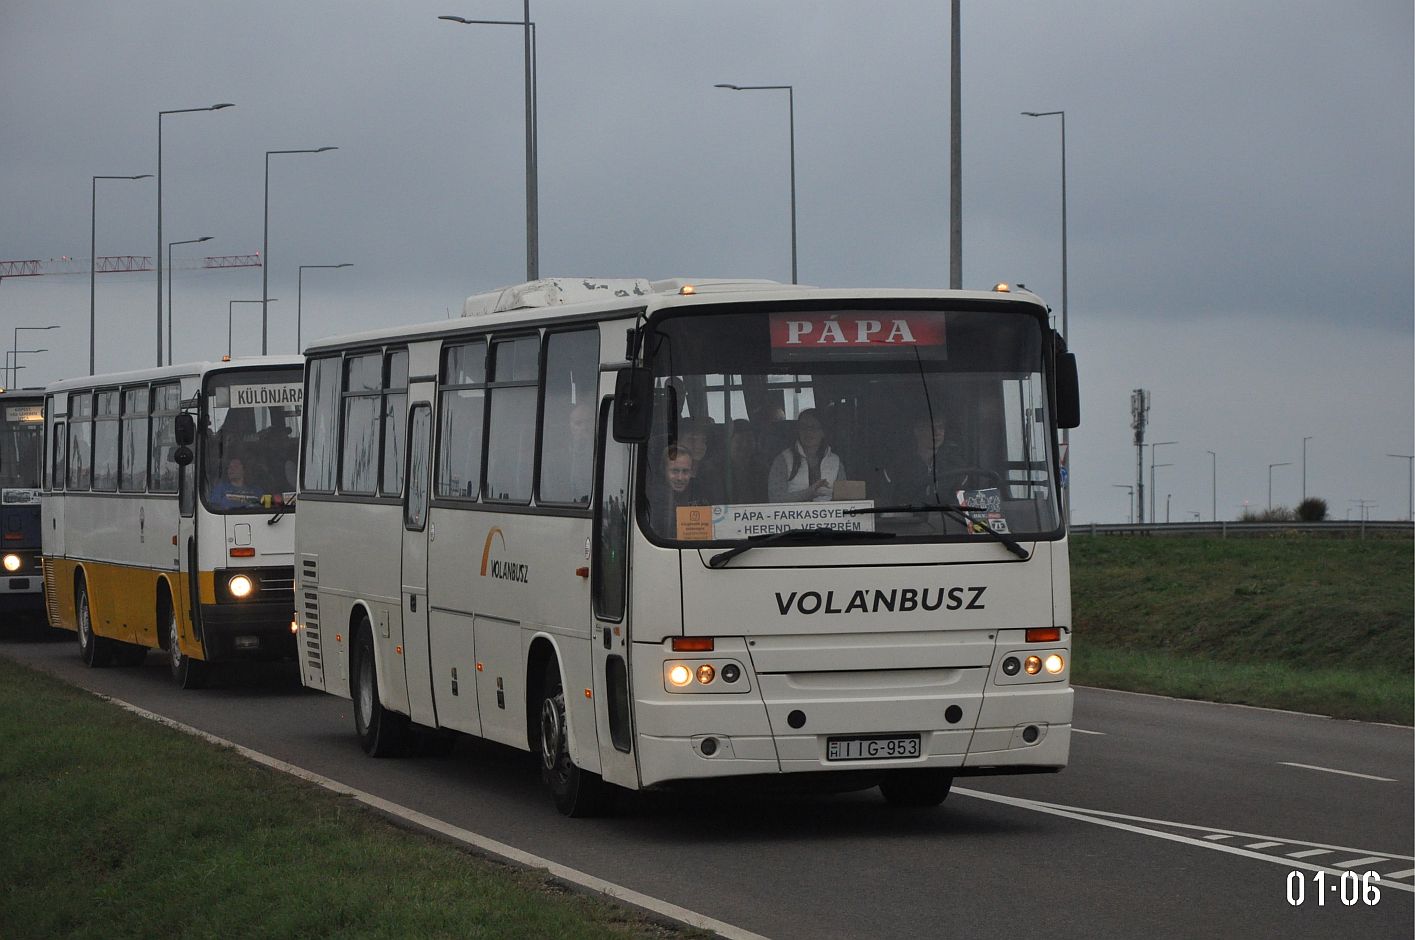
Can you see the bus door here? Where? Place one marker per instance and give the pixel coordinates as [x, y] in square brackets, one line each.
[609, 584]
[186, 556]
[417, 651]
[52, 510]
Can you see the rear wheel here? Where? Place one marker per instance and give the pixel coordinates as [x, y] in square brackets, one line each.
[577, 792]
[382, 733]
[188, 673]
[918, 788]
[93, 650]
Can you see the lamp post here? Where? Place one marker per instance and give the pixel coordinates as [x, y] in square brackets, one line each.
[1409, 483]
[1153, 454]
[1129, 499]
[532, 142]
[230, 308]
[1065, 334]
[300, 297]
[13, 355]
[791, 115]
[15, 347]
[189, 241]
[1304, 468]
[1154, 517]
[93, 255]
[1287, 463]
[265, 249]
[160, 116]
[1213, 459]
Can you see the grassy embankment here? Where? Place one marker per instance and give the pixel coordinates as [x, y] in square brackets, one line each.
[118, 827]
[1309, 624]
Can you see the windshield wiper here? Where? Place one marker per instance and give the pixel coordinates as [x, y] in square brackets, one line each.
[793, 535]
[962, 512]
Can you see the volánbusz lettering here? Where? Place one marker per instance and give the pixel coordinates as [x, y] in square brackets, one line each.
[877, 601]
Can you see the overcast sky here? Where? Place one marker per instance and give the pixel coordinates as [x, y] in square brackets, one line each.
[1239, 188]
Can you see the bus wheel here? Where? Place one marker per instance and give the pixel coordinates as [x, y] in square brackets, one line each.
[917, 788]
[577, 792]
[93, 650]
[382, 733]
[188, 673]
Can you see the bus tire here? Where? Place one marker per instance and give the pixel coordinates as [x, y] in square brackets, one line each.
[577, 792]
[916, 788]
[188, 673]
[94, 650]
[382, 733]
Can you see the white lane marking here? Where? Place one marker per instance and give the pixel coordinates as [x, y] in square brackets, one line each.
[1309, 853]
[1093, 817]
[1084, 731]
[481, 843]
[1400, 874]
[1329, 770]
[1358, 862]
[1218, 836]
[1261, 845]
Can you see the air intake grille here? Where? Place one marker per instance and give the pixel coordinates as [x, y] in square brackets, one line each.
[311, 648]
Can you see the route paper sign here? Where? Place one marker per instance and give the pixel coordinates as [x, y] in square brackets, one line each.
[744, 520]
[19, 497]
[24, 414]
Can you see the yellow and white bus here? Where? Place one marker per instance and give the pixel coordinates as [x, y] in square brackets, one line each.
[659, 532]
[168, 512]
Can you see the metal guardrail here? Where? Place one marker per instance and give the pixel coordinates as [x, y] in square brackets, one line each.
[1335, 529]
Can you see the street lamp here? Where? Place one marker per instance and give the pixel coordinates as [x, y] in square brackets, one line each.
[265, 249]
[1287, 463]
[1304, 468]
[1153, 449]
[1065, 335]
[15, 346]
[230, 307]
[1409, 483]
[14, 355]
[189, 241]
[1213, 459]
[93, 254]
[300, 297]
[1154, 518]
[532, 143]
[160, 116]
[791, 113]
[1129, 499]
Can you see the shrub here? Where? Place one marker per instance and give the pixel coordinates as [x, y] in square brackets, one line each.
[1312, 509]
[1275, 514]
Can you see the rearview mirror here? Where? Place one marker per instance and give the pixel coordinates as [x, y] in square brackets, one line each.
[633, 404]
[1068, 393]
[183, 456]
[186, 430]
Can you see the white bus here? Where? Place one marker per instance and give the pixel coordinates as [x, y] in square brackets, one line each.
[659, 532]
[168, 507]
[21, 463]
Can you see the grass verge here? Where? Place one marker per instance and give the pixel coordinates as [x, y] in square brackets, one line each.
[117, 827]
[1307, 624]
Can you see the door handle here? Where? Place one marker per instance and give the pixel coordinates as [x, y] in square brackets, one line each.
[413, 603]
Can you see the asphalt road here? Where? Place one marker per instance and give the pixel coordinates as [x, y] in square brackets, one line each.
[1175, 819]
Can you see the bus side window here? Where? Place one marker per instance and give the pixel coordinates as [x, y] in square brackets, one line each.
[419, 467]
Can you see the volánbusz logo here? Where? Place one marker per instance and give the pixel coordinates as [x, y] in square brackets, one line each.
[499, 568]
[876, 601]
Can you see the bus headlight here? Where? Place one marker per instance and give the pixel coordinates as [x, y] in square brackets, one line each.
[680, 675]
[1032, 665]
[240, 586]
[1053, 664]
[12, 562]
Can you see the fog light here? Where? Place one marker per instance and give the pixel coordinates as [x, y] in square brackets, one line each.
[294, 626]
[1011, 666]
[12, 562]
[680, 675]
[1033, 665]
[730, 673]
[240, 586]
[706, 673]
[1054, 664]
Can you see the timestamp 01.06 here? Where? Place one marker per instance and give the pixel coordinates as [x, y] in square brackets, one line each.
[1350, 887]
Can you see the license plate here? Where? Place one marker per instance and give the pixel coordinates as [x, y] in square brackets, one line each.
[883, 747]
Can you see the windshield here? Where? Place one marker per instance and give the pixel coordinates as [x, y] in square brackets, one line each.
[857, 419]
[21, 444]
[251, 441]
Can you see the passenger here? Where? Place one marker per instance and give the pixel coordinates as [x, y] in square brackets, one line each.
[746, 467]
[808, 469]
[569, 462]
[696, 435]
[675, 487]
[930, 468]
[232, 492]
